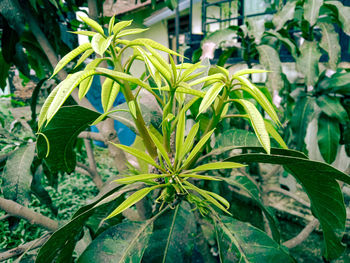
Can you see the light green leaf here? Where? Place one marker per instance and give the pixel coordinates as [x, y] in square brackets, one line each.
[269, 58]
[133, 31]
[248, 71]
[330, 43]
[259, 97]
[148, 42]
[311, 10]
[257, 122]
[160, 148]
[208, 196]
[138, 154]
[43, 112]
[332, 107]
[216, 166]
[202, 177]
[104, 115]
[116, 75]
[185, 90]
[132, 108]
[197, 148]
[120, 26]
[284, 15]
[17, 176]
[210, 96]
[180, 134]
[215, 77]
[93, 24]
[139, 177]
[274, 134]
[109, 93]
[326, 198]
[86, 54]
[111, 25]
[328, 136]
[307, 63]
[65, 89]
[86, 83]
[133, 199]
[241, 242]
[189, 141]
[342, 13]
[100, 44]
[70, 56]
[84, 33]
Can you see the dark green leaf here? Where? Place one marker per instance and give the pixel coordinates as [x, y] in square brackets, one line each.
[319, 181]
[241, 242]
[332, 107]
[284, 15]
[173, 235]
[4, 69]
[61, 134]
[311, 10]
[330, 43]
[328, 136]
[342, 13]
[17, 176]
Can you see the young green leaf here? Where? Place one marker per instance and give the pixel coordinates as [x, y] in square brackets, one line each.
[197, 148]
[149, 42]
[139, 177]
[210, 96]
[109, 93]
[138, 154]
[86, 54]
[66, 88]
[248, 71]
[224, 71]
[43, 113]
[187, 146]
[271, 130]
[180, 134]
[111, 25]
[104, 115]
[86, 84]
[173, 67]
[93, 24]
[216, 166]
[257, 123]
[132, 108]
[100, 44]
[220, 198]
[183, 89]
[84, 33]
[131, 200]
[160, 148]
[133, 31]
[69, 57]
[120, 26]
[215, 77]
[203, 177]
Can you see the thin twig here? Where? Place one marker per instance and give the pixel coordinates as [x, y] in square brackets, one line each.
[33, 217]
[24, 248]
[287, 193]
[96, 178]
[303, 235]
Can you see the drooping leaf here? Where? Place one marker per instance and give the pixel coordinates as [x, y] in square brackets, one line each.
[236, 137]
[148, 42]
[303, 113]
[139, 177]
[172, 239]
[132, 31]
[109, 93]
[45, 107]
[210, 96]
[85, 85]
[248, 71]
[328, 136]
[319, 182]
[332, 107]
[257, 122]
[122, 243]
[100, 44]
[250, 188]
[93, 24]
[241, 242]
[71, 232]
[288, 42]
[307, 63]
[70, 56]
[311, 10]
[83, 57]
[216, 166]
[284, 15]
[274, 134]
[330, 43]
[269, 58]
[61, 134]
[17, 177]
[342, 13]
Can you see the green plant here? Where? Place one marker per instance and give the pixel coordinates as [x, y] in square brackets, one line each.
[181, 207]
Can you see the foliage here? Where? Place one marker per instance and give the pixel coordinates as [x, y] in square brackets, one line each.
[175, 181]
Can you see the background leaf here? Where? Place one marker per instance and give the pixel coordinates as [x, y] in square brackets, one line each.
[311, 10]
[330, 43]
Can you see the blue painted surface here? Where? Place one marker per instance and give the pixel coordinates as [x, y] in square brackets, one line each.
[125, 135]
